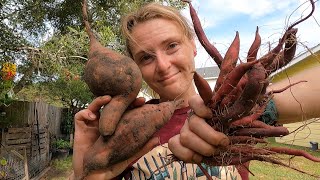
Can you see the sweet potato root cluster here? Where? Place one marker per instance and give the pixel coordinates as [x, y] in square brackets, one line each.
[239, 97]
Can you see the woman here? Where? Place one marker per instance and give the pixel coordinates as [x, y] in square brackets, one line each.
[162, 44]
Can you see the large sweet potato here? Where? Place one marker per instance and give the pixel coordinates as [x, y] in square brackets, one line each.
[109, 73]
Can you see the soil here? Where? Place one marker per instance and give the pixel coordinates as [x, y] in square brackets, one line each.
[55, 174]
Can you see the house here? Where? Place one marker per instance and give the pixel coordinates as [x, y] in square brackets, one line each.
[310, 58]
[306, 134]
[210, 74]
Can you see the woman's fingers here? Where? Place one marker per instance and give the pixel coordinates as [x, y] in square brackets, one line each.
[140, 101]
[183, 153]
[199, 108]
[84, 114]
[97, 103]
[91, 112]
[192, 141]
[199, 127]
[197, 138]
[88, 117]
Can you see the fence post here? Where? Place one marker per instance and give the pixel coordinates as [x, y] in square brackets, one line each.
[3, 139]
[26, 170]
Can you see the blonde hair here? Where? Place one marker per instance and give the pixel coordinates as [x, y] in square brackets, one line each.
[149, 12]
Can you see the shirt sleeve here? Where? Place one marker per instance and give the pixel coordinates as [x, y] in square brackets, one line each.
[270, 114]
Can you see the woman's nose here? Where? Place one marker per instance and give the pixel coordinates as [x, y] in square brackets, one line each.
[163, 62]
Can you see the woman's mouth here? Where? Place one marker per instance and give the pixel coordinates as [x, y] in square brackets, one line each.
[165, 78]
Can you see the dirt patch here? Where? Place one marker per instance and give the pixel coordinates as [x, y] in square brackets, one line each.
[59, 169]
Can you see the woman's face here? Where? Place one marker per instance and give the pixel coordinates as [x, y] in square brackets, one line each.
[165, 57]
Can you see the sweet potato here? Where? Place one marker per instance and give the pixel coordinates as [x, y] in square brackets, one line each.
[211, 50]
[235, 93]
[133, 131]
[230, 82]
[249, 96]
[229, 62]
[267, 59]
[109, 73]
[287, 54]
[203, 88]
[253, 51]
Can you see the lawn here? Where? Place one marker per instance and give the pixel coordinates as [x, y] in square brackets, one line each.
[60, 169]
[266, 171]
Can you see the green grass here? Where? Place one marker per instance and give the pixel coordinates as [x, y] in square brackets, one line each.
[267, 171]
[60, 169]
[62, 164]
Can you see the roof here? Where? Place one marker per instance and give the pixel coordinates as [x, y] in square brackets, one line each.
[209, 72]
[300, 57]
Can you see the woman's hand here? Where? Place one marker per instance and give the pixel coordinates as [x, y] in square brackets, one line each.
[86, 131]
[197, 138]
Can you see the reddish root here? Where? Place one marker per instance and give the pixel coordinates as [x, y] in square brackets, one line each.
[262, 132]
[247, 120]
[285, 88]
[230, 82]
[203, 87]
[253, 51]
[285, 56]
[212, 51]
[245, 140]
[294, 152]
[235, 93]
[229, 62]
[241, 98]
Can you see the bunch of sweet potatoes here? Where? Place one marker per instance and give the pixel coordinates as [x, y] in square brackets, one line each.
[239, 97]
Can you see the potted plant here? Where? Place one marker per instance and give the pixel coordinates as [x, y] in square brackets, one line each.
[61, 148]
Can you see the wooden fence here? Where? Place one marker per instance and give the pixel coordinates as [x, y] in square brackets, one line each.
[27, 128]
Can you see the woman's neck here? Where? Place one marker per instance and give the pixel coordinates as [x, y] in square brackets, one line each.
[184, 97]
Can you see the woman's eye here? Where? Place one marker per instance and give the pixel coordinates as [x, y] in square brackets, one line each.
[172, 45]
[172, 48]
[146, 59]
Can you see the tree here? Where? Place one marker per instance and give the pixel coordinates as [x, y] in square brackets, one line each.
[44, 59]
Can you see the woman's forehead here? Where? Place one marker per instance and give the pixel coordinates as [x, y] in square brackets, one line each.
[155, 32]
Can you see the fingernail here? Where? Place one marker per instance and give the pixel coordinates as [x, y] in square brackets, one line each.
[91, 115]
[225, 142]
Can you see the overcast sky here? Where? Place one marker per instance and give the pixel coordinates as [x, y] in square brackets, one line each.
[222, 18]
